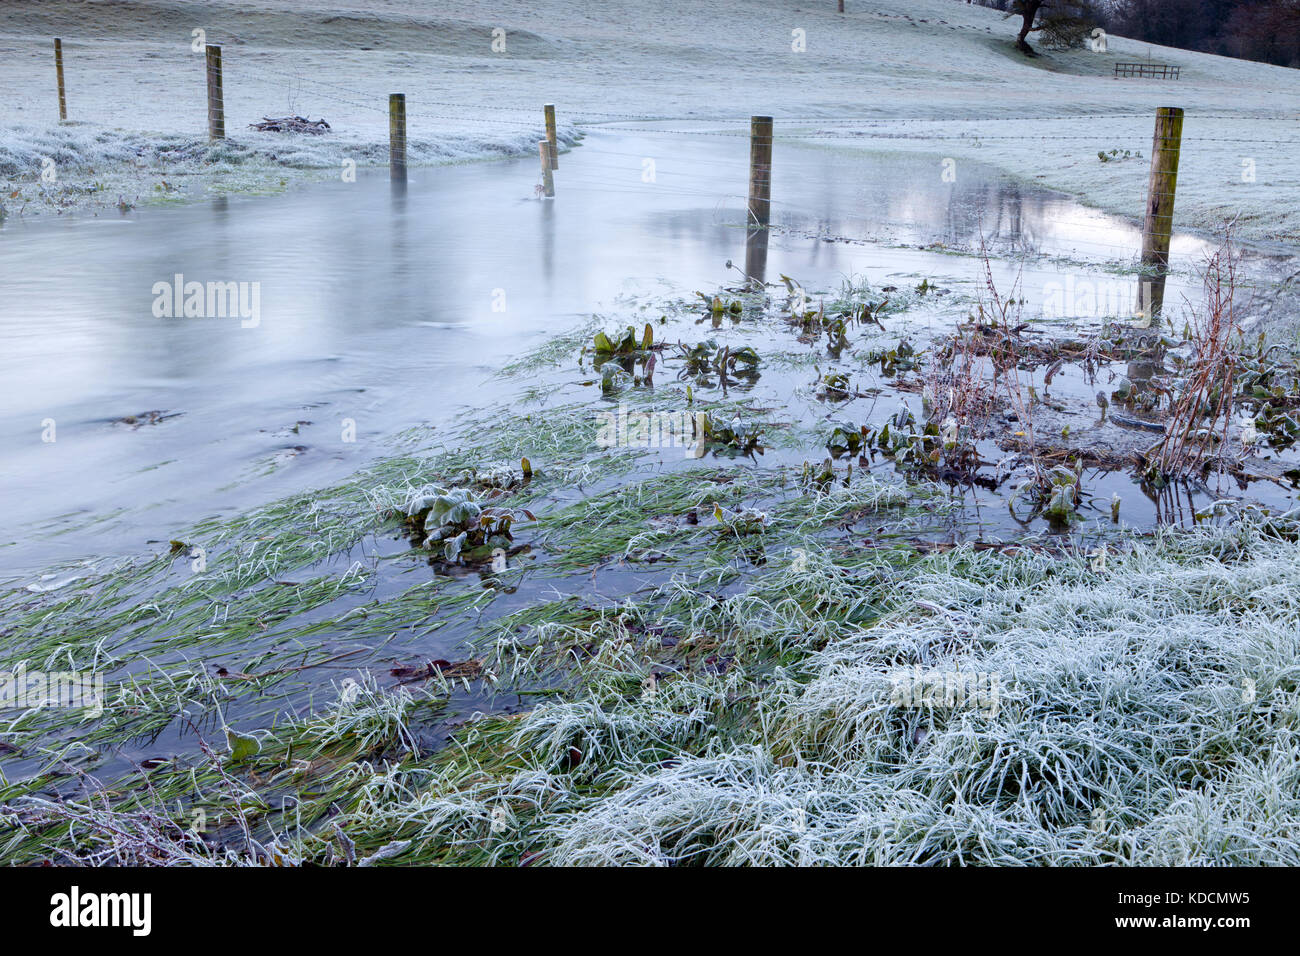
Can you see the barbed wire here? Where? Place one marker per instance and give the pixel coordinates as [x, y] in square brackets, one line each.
[255, 65]
[798, 129]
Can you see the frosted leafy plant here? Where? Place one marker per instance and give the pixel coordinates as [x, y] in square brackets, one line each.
[457, 520]
[741, 521]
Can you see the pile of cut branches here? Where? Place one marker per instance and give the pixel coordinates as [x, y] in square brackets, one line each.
[290, 124]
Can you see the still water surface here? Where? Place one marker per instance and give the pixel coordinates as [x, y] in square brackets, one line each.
[381, 309]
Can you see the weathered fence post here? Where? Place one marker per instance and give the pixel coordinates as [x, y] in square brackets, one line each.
[548, 181]
[1158, 226]
[760, 170]
[756, 257]
[216, 101]
[58, 70]
[551, 137]
[397, 136]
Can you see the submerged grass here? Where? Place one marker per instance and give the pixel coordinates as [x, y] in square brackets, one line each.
[1146, 712]
[690, 661]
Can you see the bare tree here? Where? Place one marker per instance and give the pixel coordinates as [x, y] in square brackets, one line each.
[1028, 11]
[1267, 30]
[1063, 23]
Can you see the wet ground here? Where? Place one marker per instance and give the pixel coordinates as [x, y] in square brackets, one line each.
[383, 316]
[385, 310]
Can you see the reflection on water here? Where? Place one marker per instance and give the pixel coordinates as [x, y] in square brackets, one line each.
[386, 304]
[756, 256]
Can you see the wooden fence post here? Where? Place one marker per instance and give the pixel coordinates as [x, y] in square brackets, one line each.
[216, 100]
[548, 181]
[58, 70]
[397, 136]
[760, 170]
[755, 257]
[551, 137]
[1158, 225]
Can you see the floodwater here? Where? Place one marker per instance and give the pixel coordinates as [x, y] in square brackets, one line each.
[378, 309]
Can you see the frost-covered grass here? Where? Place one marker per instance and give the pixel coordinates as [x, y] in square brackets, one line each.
[1146, 712]
[658, 681]
[666, 684]
[680, 688]
[95, 166]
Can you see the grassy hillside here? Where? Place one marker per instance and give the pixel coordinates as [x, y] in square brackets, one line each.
[933, 75]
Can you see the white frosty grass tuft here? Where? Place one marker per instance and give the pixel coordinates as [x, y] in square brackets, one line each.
[86, 147]
[94, 163]
[1147, 713]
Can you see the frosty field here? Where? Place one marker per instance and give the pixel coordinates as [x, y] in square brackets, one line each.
[609, 529]
[927, 75]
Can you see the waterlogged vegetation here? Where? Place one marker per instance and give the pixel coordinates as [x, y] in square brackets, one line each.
[659, 606]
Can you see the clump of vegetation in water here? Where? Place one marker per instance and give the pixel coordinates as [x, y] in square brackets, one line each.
[494, 477]
[613, 379]
[1117, 154]
[833, 320]
[834, 387]
[625, 342]
[1063, 498]
[706, 361]
[738, 438]
[817, 477]
[848, 439]
[719, 306]
[741, 521]
[617, 358]
[466, 528]
[901, 358]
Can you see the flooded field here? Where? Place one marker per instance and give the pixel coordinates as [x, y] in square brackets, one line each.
[442, 427]
[390, 310]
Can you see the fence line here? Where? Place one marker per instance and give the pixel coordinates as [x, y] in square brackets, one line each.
[847, 130]
[359, 99]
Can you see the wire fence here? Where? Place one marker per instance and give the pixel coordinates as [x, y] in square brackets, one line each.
[700, 177]
[253, 66]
